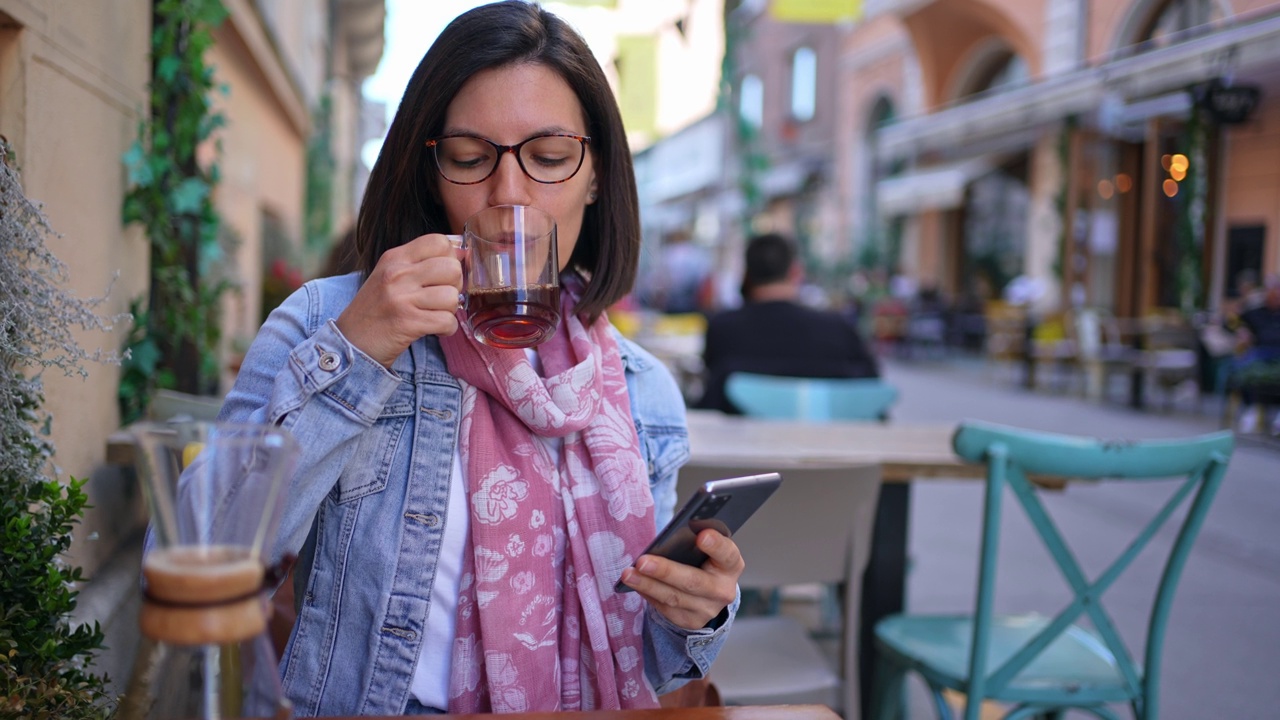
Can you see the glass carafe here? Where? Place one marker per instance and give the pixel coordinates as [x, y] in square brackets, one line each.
[215, 492]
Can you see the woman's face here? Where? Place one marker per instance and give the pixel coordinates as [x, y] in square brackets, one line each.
[508, 105]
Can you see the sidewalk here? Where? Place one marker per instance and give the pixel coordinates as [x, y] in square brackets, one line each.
[1222, 648]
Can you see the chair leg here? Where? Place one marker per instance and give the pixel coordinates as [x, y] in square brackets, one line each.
[886, 691]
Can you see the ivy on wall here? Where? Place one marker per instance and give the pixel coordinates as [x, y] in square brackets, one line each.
[1066, 184]
[1189, 223]
[321, 168]
[176, 342]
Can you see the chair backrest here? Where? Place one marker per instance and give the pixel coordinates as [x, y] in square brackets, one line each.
[815, 528]
[816, 399]
[800, 534]
[1012, 455]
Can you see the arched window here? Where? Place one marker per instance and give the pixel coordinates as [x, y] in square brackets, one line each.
[804, 84]
[1001, 68]
[989, 65]
[1171, 18]
[751, 100]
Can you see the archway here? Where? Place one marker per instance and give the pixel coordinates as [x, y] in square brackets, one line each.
[1154, 23]
[991, 65]
[1160, 255]
[989, 230]
[877, 239]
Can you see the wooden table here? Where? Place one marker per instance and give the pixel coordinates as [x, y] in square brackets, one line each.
[746, 712]
[905, 452]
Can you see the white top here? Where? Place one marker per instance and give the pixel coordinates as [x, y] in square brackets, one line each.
[431, 675]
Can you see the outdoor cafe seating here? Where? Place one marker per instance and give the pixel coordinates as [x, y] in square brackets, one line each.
[817, 399]
[841, 602]
[1040, 665]
[815, 529]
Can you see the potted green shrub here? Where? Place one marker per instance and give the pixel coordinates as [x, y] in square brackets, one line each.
[43, 658]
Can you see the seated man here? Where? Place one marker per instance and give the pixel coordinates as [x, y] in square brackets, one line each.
[774, 334]
[1259, 333]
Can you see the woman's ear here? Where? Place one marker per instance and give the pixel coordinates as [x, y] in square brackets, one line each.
[593, 191]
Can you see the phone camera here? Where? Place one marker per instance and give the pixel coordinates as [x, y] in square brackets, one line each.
[712, 507]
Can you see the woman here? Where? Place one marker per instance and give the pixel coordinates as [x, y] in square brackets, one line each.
[460, 518]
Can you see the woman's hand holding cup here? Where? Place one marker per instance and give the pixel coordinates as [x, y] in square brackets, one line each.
[413, 291]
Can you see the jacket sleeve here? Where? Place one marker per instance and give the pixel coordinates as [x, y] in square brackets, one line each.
[674, 656]
[301, 373]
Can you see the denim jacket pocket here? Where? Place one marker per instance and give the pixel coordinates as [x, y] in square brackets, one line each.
[665, 448]
[369, 467]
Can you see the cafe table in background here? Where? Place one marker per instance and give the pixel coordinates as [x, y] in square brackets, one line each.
[904, 453]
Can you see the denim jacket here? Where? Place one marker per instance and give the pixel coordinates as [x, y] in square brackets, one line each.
[366, 506]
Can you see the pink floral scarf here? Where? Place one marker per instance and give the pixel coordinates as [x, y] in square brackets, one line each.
[539, 626]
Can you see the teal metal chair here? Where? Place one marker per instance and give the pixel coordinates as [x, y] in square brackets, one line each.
[821, 400]
[816, 399]
[1039, 665]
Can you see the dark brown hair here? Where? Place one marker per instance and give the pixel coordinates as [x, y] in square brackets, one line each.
[769, 259]
[402, 200]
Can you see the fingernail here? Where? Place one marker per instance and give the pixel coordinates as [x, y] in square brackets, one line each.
[644, 565]
[709, 541]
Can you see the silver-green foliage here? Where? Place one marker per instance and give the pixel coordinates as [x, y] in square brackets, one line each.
[42, 657]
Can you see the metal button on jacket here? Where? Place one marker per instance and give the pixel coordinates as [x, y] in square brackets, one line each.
[329, 361]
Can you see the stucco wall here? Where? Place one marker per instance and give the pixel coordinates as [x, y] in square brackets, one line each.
[1252, 169]
[1112, 22]
[263, 169]
[75, 83]
[946, 32]
[73, 86]
[873, 67]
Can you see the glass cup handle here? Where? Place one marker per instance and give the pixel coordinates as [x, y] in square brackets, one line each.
[459, 243]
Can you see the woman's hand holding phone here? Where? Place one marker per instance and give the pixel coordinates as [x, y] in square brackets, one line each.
[690, 571]
[688, 596]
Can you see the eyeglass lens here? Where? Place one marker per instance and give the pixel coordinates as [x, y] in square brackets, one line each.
[546, 158]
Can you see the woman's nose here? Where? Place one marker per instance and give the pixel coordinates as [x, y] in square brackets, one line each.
[509, 184]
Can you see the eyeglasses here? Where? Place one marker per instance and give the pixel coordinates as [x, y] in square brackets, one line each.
[548, 159]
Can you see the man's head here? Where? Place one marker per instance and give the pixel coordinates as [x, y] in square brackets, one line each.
[1272, 297]
[771, 259]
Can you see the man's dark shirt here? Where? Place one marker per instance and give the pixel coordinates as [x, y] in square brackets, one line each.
[780, 338]
[1264, 324]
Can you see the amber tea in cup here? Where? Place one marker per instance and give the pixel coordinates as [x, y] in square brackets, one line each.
[511, 276]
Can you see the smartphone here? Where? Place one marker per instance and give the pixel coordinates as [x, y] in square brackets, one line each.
[723, 505]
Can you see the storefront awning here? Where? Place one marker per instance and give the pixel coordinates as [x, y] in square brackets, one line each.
[1135, 77]
[935, 188]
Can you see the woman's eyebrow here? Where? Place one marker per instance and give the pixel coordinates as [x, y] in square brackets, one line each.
[548, 130]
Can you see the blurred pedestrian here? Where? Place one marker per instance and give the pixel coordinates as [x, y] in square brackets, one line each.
[1259, 335]
[679, 283]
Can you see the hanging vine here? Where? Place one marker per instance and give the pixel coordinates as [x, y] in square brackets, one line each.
[1065, 247]
[171, 196]
[1189, 225]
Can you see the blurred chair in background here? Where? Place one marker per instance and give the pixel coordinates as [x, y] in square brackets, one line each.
[826, 399]
[815, 399]
[1044, 665]
[815, 529]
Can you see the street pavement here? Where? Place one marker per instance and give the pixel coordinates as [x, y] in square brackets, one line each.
[1222, 649]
